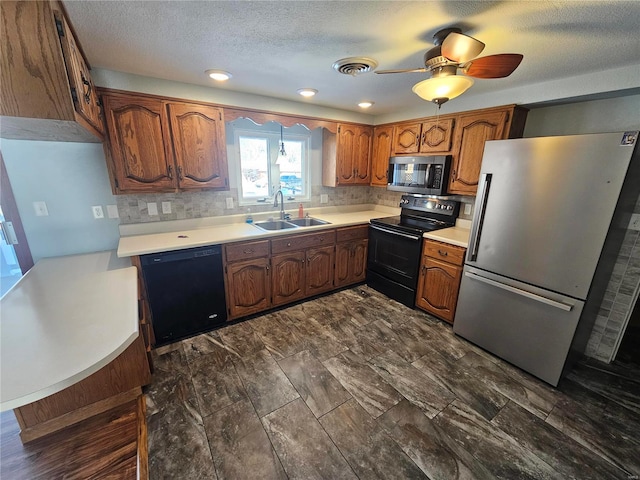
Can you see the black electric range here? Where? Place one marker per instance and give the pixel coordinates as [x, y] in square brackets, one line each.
[395, 244]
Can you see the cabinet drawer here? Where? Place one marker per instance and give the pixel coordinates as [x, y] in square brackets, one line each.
[246, 250]
[444, 251]
[299, 242]
[358, 232]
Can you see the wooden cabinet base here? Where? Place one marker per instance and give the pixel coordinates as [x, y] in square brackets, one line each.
[115, 384]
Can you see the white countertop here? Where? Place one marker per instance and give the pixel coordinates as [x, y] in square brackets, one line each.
[63, 321]
[458, 235]
[140, 244]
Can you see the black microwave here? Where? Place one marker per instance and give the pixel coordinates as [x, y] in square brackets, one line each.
[425, 175]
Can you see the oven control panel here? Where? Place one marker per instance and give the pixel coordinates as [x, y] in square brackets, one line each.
[430, 205]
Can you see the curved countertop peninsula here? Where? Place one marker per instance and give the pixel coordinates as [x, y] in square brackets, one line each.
[63, 321]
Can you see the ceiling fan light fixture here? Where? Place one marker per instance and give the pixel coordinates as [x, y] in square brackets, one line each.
[219, 75]
[365, 104]
[307, 92]
[439, 88]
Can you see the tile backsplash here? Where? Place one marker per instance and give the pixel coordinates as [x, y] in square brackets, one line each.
[188, 205]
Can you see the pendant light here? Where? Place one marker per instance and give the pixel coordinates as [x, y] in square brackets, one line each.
[282, 152]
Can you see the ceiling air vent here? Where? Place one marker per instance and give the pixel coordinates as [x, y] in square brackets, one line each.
[354, 65]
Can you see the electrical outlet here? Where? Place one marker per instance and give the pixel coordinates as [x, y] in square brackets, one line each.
[41, 209]
[229, 203]
[112, 211]
[467, 209]
[324, 198]
[152, 209]
[634, 224]
[166, 207]
[97, 212]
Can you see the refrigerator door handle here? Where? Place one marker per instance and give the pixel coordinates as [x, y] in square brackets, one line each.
[476, 228]
[518, 291]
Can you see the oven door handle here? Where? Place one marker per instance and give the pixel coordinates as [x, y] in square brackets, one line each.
[393, 232]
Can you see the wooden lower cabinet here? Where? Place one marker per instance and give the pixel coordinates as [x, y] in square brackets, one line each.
[247, 277]
[351, 255]
[439, 282]
[287, 280]
[319, 266]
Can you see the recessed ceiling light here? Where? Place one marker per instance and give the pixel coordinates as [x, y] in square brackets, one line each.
[307, 92]
[365, 104]
[219, 75]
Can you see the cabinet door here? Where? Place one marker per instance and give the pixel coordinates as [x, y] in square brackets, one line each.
[343, 262]
[438, 287]
[248, 287]
[199, 146]
[436, 136]
[287, 279]
[85, 98]
[471, 133]
[359, 261]
[362, 156]
[139, 144]
[382, 137]
[406, 138]
[319, 275]
[345, 151]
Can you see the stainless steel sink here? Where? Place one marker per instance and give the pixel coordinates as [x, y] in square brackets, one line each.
[307, 222]
[275, 225]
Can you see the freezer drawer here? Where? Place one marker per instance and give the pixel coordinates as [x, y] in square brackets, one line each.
[529, 327]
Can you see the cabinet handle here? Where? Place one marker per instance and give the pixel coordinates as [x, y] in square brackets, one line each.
[288, 244]
[423, 269]
[267, 267]
[423, 138]
[180, 173]
[170, 172]
[250, 250]
[417, 140]
[321, 239]
[87, 93]
[444, 254]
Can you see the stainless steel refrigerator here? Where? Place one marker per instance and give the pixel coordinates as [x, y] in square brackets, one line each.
[549, 219]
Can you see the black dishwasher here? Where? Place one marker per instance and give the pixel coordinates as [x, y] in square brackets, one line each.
[186, 292]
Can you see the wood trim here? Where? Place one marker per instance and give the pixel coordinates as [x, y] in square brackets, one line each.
[452, 115]
[10, 210]
[143, 442]
[58, 423]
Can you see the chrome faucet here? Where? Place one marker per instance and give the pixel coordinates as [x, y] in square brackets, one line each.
[275, 204]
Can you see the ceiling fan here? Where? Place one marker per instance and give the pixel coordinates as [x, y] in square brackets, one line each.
[453, 50]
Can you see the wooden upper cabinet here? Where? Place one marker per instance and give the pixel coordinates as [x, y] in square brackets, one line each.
[158, 146]
[346, 157]
[406, 138]
[436, 136]
[199, 144]
[430, 137]
[345, 153]
[362, 155]
[83, 90]
[46, 90]
[471, 132]
[139, 148]
[382, 138]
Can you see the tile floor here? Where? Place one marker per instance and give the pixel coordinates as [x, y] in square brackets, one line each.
[354, 385]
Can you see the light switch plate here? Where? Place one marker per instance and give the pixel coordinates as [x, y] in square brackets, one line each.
[112, 211]
[41, 209]
[229, 203]
[166, 207]
[467, 209]
[97, 212]
[152, 208]
[324, 198]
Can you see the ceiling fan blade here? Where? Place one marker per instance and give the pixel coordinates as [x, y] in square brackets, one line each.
[461, 48]
[493, 66]
[414, 70]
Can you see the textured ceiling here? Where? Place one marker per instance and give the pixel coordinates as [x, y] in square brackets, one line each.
[273, 48]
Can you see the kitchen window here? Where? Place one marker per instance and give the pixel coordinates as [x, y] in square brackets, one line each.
[263, 170]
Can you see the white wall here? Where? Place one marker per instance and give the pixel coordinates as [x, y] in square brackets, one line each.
[596, 116]
[70, 178]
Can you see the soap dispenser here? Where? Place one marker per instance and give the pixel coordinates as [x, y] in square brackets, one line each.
[300, 211]
[249, 217]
